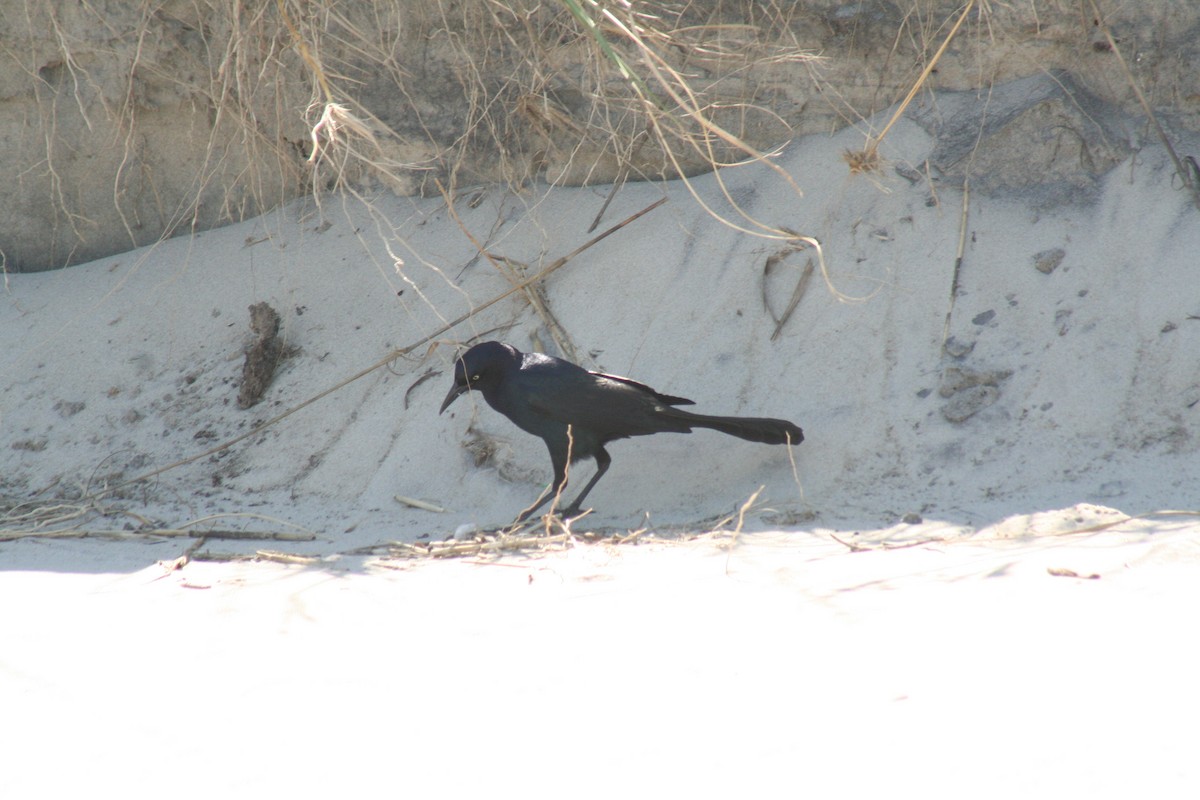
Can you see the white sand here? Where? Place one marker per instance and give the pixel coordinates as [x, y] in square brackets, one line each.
[784, 665]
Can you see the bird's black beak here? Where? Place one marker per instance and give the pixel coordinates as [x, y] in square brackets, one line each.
[454, 392]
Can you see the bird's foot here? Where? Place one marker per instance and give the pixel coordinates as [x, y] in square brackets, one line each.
[573, 512]
[565, 514]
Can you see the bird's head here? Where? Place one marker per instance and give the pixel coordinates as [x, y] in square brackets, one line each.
[482, 367]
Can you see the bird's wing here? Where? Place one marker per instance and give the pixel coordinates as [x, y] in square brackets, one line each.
[670, 400]
[600, 403]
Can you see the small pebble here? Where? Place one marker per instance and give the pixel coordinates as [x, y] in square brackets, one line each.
[1047, 261]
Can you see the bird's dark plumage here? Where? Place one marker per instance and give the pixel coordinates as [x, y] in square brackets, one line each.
[544, 396]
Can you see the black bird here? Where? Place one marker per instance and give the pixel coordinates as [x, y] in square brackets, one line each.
[547, 396]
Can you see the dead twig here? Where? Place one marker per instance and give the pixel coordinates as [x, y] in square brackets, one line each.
[737, 529]
[797, 293]
[413, 502]
[536, 295]
[958, 260]
[501, 544]
[508, 268]
[287, 558]
[622, 176]
[855, 547]
[11, 534]
[431, 373]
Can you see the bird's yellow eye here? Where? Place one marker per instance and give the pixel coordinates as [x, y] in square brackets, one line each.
[474, 378]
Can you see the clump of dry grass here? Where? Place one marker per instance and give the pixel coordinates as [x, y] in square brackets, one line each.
[269, 101]
[568, 92]
[1189, 177]
[868, 160]
[677, 111]
[323, 96]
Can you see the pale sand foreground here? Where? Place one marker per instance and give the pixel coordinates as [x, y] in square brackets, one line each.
[784, 665]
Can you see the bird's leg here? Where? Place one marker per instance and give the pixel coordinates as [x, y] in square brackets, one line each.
[603, 460]
[559, 462]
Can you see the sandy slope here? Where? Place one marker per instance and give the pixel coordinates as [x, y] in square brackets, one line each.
[958, 664]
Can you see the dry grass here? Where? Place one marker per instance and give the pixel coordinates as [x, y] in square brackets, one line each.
[551, 94]
[868, 160]
[1187, 177]
[85, 516]
[292, 96]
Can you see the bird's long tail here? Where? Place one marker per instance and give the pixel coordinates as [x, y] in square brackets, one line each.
[754, 429]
